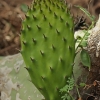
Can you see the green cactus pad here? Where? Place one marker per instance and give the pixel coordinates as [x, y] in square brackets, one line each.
[47, 46]
[15, 80]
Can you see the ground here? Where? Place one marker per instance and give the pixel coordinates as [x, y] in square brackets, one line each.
[10, 25]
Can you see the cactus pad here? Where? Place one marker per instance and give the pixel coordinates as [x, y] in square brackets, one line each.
[47, 46]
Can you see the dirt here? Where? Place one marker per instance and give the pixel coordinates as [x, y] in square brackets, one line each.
[10, 25]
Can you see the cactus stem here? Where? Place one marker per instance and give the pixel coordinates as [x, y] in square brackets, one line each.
[41, 52]
[38, 27]
[50, 18]
[50, 25]
[57, 31]
[32, 59]
[61, 18]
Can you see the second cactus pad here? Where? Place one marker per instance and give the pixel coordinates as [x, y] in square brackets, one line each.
[48, 46]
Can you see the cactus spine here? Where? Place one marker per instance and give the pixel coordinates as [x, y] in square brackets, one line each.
[48, 46]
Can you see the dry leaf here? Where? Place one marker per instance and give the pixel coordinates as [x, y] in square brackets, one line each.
[79, 98]
[94, 83]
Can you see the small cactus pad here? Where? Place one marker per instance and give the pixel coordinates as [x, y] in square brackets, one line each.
[14, 80]
[48, 46]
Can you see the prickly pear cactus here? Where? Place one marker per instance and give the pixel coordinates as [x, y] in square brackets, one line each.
[14, 80]
[47, 46]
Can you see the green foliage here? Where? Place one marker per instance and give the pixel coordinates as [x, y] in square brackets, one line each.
[92, 18]
[82, 40]
[67, 88]
[24, 8]
[66, 97]
[82, 43]
[82, 84]
[85, 59]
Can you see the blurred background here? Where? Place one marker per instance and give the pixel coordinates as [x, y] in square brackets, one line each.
[10, 23]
